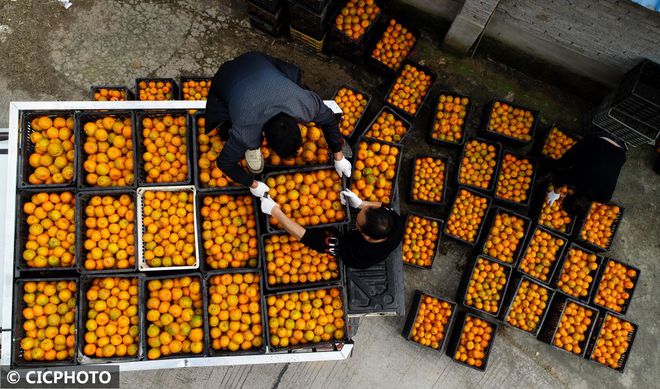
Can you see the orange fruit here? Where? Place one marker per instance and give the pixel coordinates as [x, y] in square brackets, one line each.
[428, 179]
[449, 121]
[352, 104]
[410, 88]
[557, 143]
[528, 306]
[485, 289]
[355, 17]
[467, 215]
[394, 45]
[420, 240]
[511, 121]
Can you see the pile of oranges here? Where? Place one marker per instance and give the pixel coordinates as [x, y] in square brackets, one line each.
[308, 198]
[506, 234]
[168, 229]
[513, 122]
[429, 179]
[387, 127]
[355, 17]
[528, 306]
[577, 273]
[573, 328]
[109, 233]
[613, 341]
[554, 216]
[51, 230]
[474, 343]
[394, 46]
[515, 178]
[599, 225]
[466, 216]
[155, 90]
[109, 149]
[49, 320]
[290, 262]
[615, 286]
[449, 118]
[430, 328]
[210, 147]
[229, 231]
[557, 143]
[352, 105]
[485, 290]
[195, 89]
[314, 149]
[420, 240]
[306, 317]
[235, 312]
[112, 328]
[166, 156]
[541, 255]
[109, 94]
[375, 171]
[175, 320]
[52, 159]
[410, 89]
[477, 167]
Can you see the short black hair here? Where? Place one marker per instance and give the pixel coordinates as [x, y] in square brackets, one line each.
[379, 222]
[577, 204]
[283, 135]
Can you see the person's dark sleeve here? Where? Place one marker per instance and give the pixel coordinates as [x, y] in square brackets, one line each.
[326, 119]
[323, 240]
[291, 71]
[216, 111]
[229, 159]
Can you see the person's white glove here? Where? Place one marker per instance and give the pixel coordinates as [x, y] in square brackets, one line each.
[343, 167]
[260, 191]
[552, 197]
[353, 199]
[267, 205]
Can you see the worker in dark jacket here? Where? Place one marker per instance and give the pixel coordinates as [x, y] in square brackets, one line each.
[263, 95]
[379, 231]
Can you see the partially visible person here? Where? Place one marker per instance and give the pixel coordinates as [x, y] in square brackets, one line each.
[379, 231]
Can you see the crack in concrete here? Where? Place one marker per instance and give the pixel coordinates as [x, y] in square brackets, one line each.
[276, 384]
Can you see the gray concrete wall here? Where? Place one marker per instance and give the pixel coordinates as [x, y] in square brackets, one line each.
[446, 9]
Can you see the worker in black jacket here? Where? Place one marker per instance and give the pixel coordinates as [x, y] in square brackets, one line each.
[261, 95]
[379, 231]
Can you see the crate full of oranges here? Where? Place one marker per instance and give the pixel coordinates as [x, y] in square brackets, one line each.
[428, 180]
[478, 164]
[472, 343]
[509, 122]
[540, 258]
[410, 89]
[388, 126]
[616, 285]
[207, 146]
[557, 143]
[569, 325]
[394, 46]
[467, 216]
[429, 320]
[515, 179]
[156, 89]
[612, 342]
[353, 104]
[354, 20]
[486, 286]
[421, 240]
[554, 216]
[376, 167]
[576, 276]
[194, 88]
[163, 141]
[506, 236]
[110, 93]
[600, 225]
[450, 115]
[529, 305]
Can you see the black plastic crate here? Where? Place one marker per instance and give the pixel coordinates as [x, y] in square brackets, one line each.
[498, 158]
[477, 236]
[638, 93]
[85, 284]
[183, 79]
[558, 254]
[17, 324]
[543, 136]
[200, 220]
[27, 148]
[457, 331]
[512, 296]
[367, 97]
[311, 23]
[205, 317]
[347, 47]
[128, 94]
[553, 319]
[508, 270]
[376, 64]
[270, 228]
[468, 109]
[313, 5]
[398, 162]
[272, 18]
[424, 69]
[306, 41]
[505, 138]
[599, 278]
[22, 232]
[560, 271]
[411, 198]
[437, 240]
[267, 5]
[412, 317]
[82, 118]
[333, 344]
[596, 334]
[141, 149]
[275, 31]
[262, 313]
[174, 91]
[530, 191]
[387, 109]
[291, 286]
[614, 229]
[521, 243]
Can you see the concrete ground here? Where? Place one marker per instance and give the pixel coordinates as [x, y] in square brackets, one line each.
[49, 53]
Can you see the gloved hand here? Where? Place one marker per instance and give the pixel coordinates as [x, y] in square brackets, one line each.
[552, 197]
[267, 205]
[353, 199]
[343, 167]
[260, 191]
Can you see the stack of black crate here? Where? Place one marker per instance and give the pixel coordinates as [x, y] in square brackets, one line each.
[310, 20]
[269, 16]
